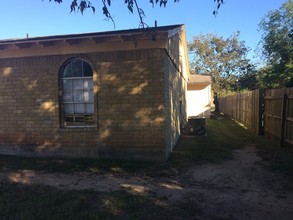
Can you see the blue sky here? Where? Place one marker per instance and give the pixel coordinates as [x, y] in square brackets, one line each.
[41, 18]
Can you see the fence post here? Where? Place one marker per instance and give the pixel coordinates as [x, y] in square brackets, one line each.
[261, 110]
[283, 120]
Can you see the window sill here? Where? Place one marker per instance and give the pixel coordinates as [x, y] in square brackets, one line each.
[79, 129]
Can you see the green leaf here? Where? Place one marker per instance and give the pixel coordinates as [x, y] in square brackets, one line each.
[82, 6]
[130, 8]
[73, 6]
[105, 11]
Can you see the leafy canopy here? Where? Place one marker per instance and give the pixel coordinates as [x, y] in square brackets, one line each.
[225, 60]
[277, 42]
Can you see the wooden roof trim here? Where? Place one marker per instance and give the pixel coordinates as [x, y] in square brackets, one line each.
[112, 36]
[175, 31]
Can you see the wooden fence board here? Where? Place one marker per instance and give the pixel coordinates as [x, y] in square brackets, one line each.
[244, 108]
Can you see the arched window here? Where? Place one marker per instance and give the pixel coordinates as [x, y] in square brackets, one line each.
[77, 94]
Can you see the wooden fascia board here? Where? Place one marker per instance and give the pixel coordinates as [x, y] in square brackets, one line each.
[87, 43]
[89, 47]
[152, 35]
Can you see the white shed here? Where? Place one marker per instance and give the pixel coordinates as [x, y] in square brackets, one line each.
[199, 95]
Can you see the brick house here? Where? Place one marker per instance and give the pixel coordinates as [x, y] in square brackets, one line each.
[117, 94]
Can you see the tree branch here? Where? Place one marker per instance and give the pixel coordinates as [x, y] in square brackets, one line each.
[141, 15]
[107, 13]
[82, 5]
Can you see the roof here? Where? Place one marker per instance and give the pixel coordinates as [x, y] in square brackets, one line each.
[108, 36]
[199, 79]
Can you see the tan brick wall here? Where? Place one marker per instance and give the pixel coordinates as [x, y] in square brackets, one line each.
[175, 94]
[130, 98]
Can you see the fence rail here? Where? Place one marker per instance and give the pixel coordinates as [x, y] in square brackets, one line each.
[268, 112]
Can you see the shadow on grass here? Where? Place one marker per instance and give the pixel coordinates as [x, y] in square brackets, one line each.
[66, 165]
[38, 202]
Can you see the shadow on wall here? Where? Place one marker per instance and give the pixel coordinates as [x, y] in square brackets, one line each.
[130, 106]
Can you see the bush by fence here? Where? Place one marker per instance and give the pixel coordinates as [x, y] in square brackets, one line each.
[268, 112]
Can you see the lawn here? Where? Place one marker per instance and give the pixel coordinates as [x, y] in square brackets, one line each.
[25, 201]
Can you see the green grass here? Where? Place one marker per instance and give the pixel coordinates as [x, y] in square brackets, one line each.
[66, 165]
[37, 202]
[223, 137]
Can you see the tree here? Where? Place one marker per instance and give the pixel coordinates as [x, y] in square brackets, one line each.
[225, 60]
[132, 5]
[277, 42]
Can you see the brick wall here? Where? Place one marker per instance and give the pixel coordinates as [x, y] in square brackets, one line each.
[175, 99]
[175, 75]
[130, 97]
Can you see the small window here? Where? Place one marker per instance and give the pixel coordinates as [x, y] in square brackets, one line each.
[77, 94]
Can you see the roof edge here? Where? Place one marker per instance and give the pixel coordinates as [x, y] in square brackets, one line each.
[166, 28]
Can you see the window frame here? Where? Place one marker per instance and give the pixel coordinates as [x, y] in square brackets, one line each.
[84, 115]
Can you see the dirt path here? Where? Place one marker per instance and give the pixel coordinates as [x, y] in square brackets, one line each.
[242, 189]
[237, 189]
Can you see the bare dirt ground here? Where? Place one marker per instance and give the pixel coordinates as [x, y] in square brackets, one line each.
[238, 189]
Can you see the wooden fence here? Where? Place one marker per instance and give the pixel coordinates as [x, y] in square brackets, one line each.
[278, 115]
[245, 108]
[267, 112]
